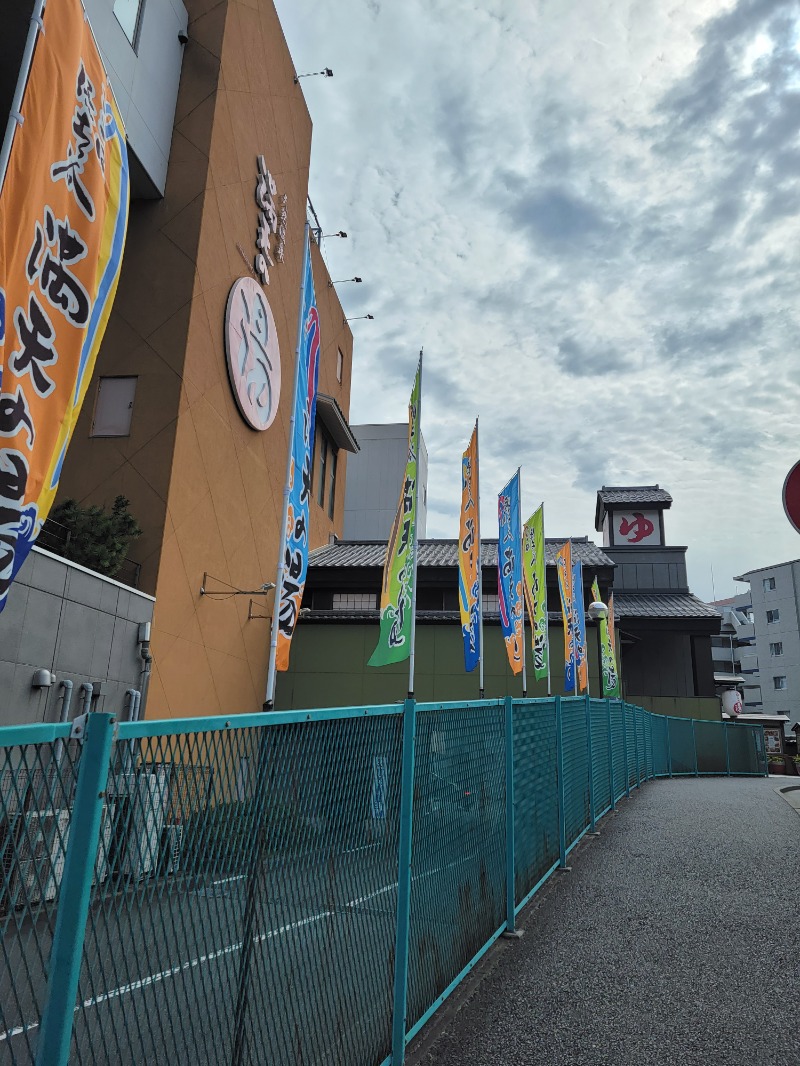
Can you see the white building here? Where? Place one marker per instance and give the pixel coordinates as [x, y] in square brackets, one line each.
[776, 623]
[374, 480]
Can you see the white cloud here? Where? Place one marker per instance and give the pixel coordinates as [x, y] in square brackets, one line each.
[588, 216]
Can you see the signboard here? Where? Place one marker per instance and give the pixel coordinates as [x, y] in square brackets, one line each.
[252, 353]
[791, 496]
[636, 527]
[772, 741]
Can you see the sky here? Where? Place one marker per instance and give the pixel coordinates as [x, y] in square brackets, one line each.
[588, 213]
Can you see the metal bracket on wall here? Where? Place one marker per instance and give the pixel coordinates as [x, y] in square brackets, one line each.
[231, 590]
[251, 616]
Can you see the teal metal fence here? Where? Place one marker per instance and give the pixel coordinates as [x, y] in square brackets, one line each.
[302, 887]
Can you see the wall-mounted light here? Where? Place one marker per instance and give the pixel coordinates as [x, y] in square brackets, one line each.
[358, 318]
[326, 73]
[341, 233]
[343, 281]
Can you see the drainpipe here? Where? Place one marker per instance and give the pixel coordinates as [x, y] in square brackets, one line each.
[63, 716]
[147, 664]
[86, 691]
[133, 716]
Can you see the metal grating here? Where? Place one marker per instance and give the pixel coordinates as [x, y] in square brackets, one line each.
[601, 780]
[576, 768]
[535, 793]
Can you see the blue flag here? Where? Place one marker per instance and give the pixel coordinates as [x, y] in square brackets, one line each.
[509, 571]
[579, 627]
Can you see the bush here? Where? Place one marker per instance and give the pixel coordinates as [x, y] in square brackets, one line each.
[98, 539]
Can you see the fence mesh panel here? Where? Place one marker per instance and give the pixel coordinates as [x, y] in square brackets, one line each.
[619, 747]
[601, 780]
[681, 746]
[576, 768]
[265, 877]
[535, 793]
[710, 747]
[458, 845]
[746, 749]
[660, 728]
[37, 783]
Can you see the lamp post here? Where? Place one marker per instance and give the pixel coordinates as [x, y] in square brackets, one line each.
[597, 611]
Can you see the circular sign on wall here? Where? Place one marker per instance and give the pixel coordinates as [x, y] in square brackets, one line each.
[791, 496]
[252, 353]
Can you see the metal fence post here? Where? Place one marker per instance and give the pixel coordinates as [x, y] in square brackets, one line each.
[727, 750]
[562, 827]
[636, 746]
[652, 748]
[694, 745]
[75, 892]
[625, 748]
[590, 761]
[404, 885]
[510, 929]
[669, 745]
[611, 757]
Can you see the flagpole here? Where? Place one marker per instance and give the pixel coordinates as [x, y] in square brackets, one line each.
[15, 118]
[585, 640]
[416, 538]
[546, 615]
[574, 651]
[276, 603]
[522, 602]
[480, 567]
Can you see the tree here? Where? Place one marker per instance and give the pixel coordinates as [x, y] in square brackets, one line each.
[98, 539]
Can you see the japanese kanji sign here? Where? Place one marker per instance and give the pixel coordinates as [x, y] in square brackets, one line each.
[469, 556]
[534, 580]
[399, 573]
[252, 352]
[509, 573]
[63, 219]
[301, 443]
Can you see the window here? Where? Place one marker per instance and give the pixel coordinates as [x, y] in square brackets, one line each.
[332, 479]
[773, 616]
[355, 601]
[339, 364]
[129, 15]
[779, 682]
[491, 603]
[323, 466]
[769, 584]
[776, 648]
[113, 407]
[326, 472]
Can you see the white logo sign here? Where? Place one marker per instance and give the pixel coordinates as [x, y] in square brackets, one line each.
[251, 349]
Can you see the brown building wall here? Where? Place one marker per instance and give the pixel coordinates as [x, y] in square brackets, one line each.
[206, 488]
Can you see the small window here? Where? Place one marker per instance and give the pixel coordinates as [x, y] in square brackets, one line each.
[339, 364]
[491, 603]
[129, 16]
[355, 601]
[773, 616]
[779, 682]
[332, 478]
[323, 467]
[776, 648]
[751, 615]
[113, 408]
[769, 584]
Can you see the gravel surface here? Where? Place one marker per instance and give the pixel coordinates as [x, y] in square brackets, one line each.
[672, 940]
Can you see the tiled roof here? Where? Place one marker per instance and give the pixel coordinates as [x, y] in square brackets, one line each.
[672, 605]
[629, 495]
[365, 553]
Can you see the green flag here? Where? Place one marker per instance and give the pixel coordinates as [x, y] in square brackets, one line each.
[608, 662]
[533, 579]
[399, 571]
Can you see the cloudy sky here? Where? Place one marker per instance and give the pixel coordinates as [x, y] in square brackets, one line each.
[589, 215]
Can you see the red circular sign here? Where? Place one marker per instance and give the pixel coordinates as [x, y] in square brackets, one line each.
[791, 496]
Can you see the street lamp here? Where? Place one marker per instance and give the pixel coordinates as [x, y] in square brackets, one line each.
[357, 318]
[597, 611]
[343, 281]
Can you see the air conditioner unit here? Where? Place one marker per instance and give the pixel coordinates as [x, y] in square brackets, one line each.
[36, 849]
[171, 844]
[142, 812]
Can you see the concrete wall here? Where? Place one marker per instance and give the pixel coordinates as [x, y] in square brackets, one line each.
[77, 624]
[145, 80]
[374, 480]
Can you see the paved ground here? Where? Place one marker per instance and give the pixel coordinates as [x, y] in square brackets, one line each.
[662, 945]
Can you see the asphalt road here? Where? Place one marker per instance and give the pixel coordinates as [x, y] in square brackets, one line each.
[673, 939]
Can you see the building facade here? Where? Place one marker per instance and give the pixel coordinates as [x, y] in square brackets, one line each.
[373, 479]
[775, 609]
[188, 412]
